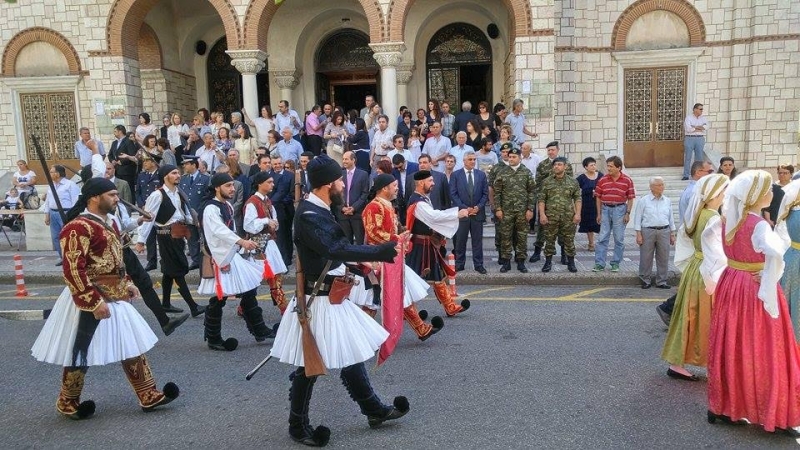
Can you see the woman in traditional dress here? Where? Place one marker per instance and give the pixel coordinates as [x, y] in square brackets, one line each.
[753, 359]
[700, 257]
[788, 228]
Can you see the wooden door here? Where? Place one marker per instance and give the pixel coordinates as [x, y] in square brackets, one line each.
[655, 106]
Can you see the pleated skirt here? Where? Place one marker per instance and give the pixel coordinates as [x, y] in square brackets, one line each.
[415, 287]
[274, 257]
[123, 336]
[244, 275]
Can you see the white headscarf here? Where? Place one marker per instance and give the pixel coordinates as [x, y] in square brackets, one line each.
[791, 199]
[743, 192]
[707, 188]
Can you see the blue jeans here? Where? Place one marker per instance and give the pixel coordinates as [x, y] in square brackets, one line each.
[55, 229]
[611, 222]
[692, 151]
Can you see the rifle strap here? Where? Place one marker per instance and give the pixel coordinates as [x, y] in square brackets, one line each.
[318, 284]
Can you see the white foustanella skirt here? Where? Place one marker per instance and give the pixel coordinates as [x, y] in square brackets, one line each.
[122, 336]
[345, 334]
[274, 257]
[244, 275]
[415, 287]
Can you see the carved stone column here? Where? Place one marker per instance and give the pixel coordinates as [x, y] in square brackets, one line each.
[249, 63]
[388, 55]
[404, 73]
[286, 80]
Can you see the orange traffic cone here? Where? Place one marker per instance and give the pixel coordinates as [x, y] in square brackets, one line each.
[451, 280]
[21, 291]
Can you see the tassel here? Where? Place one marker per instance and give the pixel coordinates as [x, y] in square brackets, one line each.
[217, 283]
[268, 273]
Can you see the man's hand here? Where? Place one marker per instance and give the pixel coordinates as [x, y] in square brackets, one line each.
[102, 311]
[626, 218]
[599, 219]
[91, 144]
[639, 238]
[529, 215]
[576, 219]
[133, 292]
[672, 239]
[139, 247]
[543, 220]
[462, 213]
[498, 214]
[47, 219]
[247, 244]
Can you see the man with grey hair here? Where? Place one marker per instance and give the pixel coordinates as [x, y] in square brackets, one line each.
[84, 148]
[469, 189]
[463, 117]
[460, 149]
[517, 121]
[655, 233]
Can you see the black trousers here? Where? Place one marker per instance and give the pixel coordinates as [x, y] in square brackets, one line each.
[285, 244]
[353, 228]
[195, 256]
[152, 253]
[314, 144]
[473, 228]
[143, 282]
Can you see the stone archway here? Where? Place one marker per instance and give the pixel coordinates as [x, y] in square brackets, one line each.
[260, 13]
[682, 8]
[127, 16]
[398, 12]
[39, 34]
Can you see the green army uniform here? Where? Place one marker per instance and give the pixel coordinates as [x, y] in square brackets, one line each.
[514, 195]
[491, 176]
[543, 172]
[559, 197]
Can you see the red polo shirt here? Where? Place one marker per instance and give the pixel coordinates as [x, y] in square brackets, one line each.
[614, 192]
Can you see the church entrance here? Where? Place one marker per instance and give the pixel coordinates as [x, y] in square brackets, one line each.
[346, 70]
[225, 82]
[459, 66]
[655, 106]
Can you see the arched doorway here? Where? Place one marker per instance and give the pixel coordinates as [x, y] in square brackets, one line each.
[346, 69]
[225, 82]
[459, 65]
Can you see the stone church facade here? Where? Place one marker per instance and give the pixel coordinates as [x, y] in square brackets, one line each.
[605, 78]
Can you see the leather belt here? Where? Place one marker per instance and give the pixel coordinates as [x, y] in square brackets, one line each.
[613, 205]
[657, 228]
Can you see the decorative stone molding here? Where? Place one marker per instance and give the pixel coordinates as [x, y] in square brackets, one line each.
[286, 79]
[685, 10]
[404, 73]
[388, 54]
[39, 34]
[247, 62]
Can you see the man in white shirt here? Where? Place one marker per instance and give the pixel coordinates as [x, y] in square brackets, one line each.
[288, 118]
[68, 193]
[210, 153]
[529, 159]
[695, 127]
[84, 148]
[397, 141]
[655, 233]
[517, 121]
[381, 141]
[459, 149]
[289, 148]
[369, 101]
[437, 147]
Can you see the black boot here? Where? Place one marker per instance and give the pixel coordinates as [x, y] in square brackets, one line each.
[548, 264]
[505, 266]
[356, 381]
[254, 318]
[300, 429]
[521, 266]
[571, 264]
[564, 260]
[537, 254]
[213, 327]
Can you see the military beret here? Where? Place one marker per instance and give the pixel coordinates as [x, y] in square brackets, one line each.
[553, 144]
[515, 151]
[507, 146]
[560, 159]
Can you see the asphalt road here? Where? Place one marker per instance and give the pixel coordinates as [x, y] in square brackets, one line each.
[526, 367]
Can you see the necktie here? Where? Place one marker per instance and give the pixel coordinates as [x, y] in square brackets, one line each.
[349, 182]
[470, 185]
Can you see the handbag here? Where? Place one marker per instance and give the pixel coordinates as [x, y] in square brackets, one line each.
[206, 268]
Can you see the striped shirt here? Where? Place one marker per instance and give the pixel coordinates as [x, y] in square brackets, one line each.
[614, 192]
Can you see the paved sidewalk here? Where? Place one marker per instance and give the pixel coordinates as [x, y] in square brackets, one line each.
[39, 267]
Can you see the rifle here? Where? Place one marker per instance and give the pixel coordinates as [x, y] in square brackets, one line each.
[35, 141]
[314, 365]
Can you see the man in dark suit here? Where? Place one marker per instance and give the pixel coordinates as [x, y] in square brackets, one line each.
[356, 190]
[460, 122]
[440, 193]
[403, 172]
[469, 189]
[123, 156]
[282, 197]
[194, 185]
[147, 182]
[302, 182]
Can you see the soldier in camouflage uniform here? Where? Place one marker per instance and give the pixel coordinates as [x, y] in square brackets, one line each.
[543, 171]
[515, 201]
[491, 176]
[559, 213]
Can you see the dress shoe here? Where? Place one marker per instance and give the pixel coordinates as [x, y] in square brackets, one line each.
[725, 419]
[170, 326]
[684, 178]
[150, 267]
[480, 270]
[505, 267]
[198, 311]
[59, 263]
[665, 316]
[664, 286]
[679, 376]
[194, 266]
[172, 309]
[646, 285]
[521, 267]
